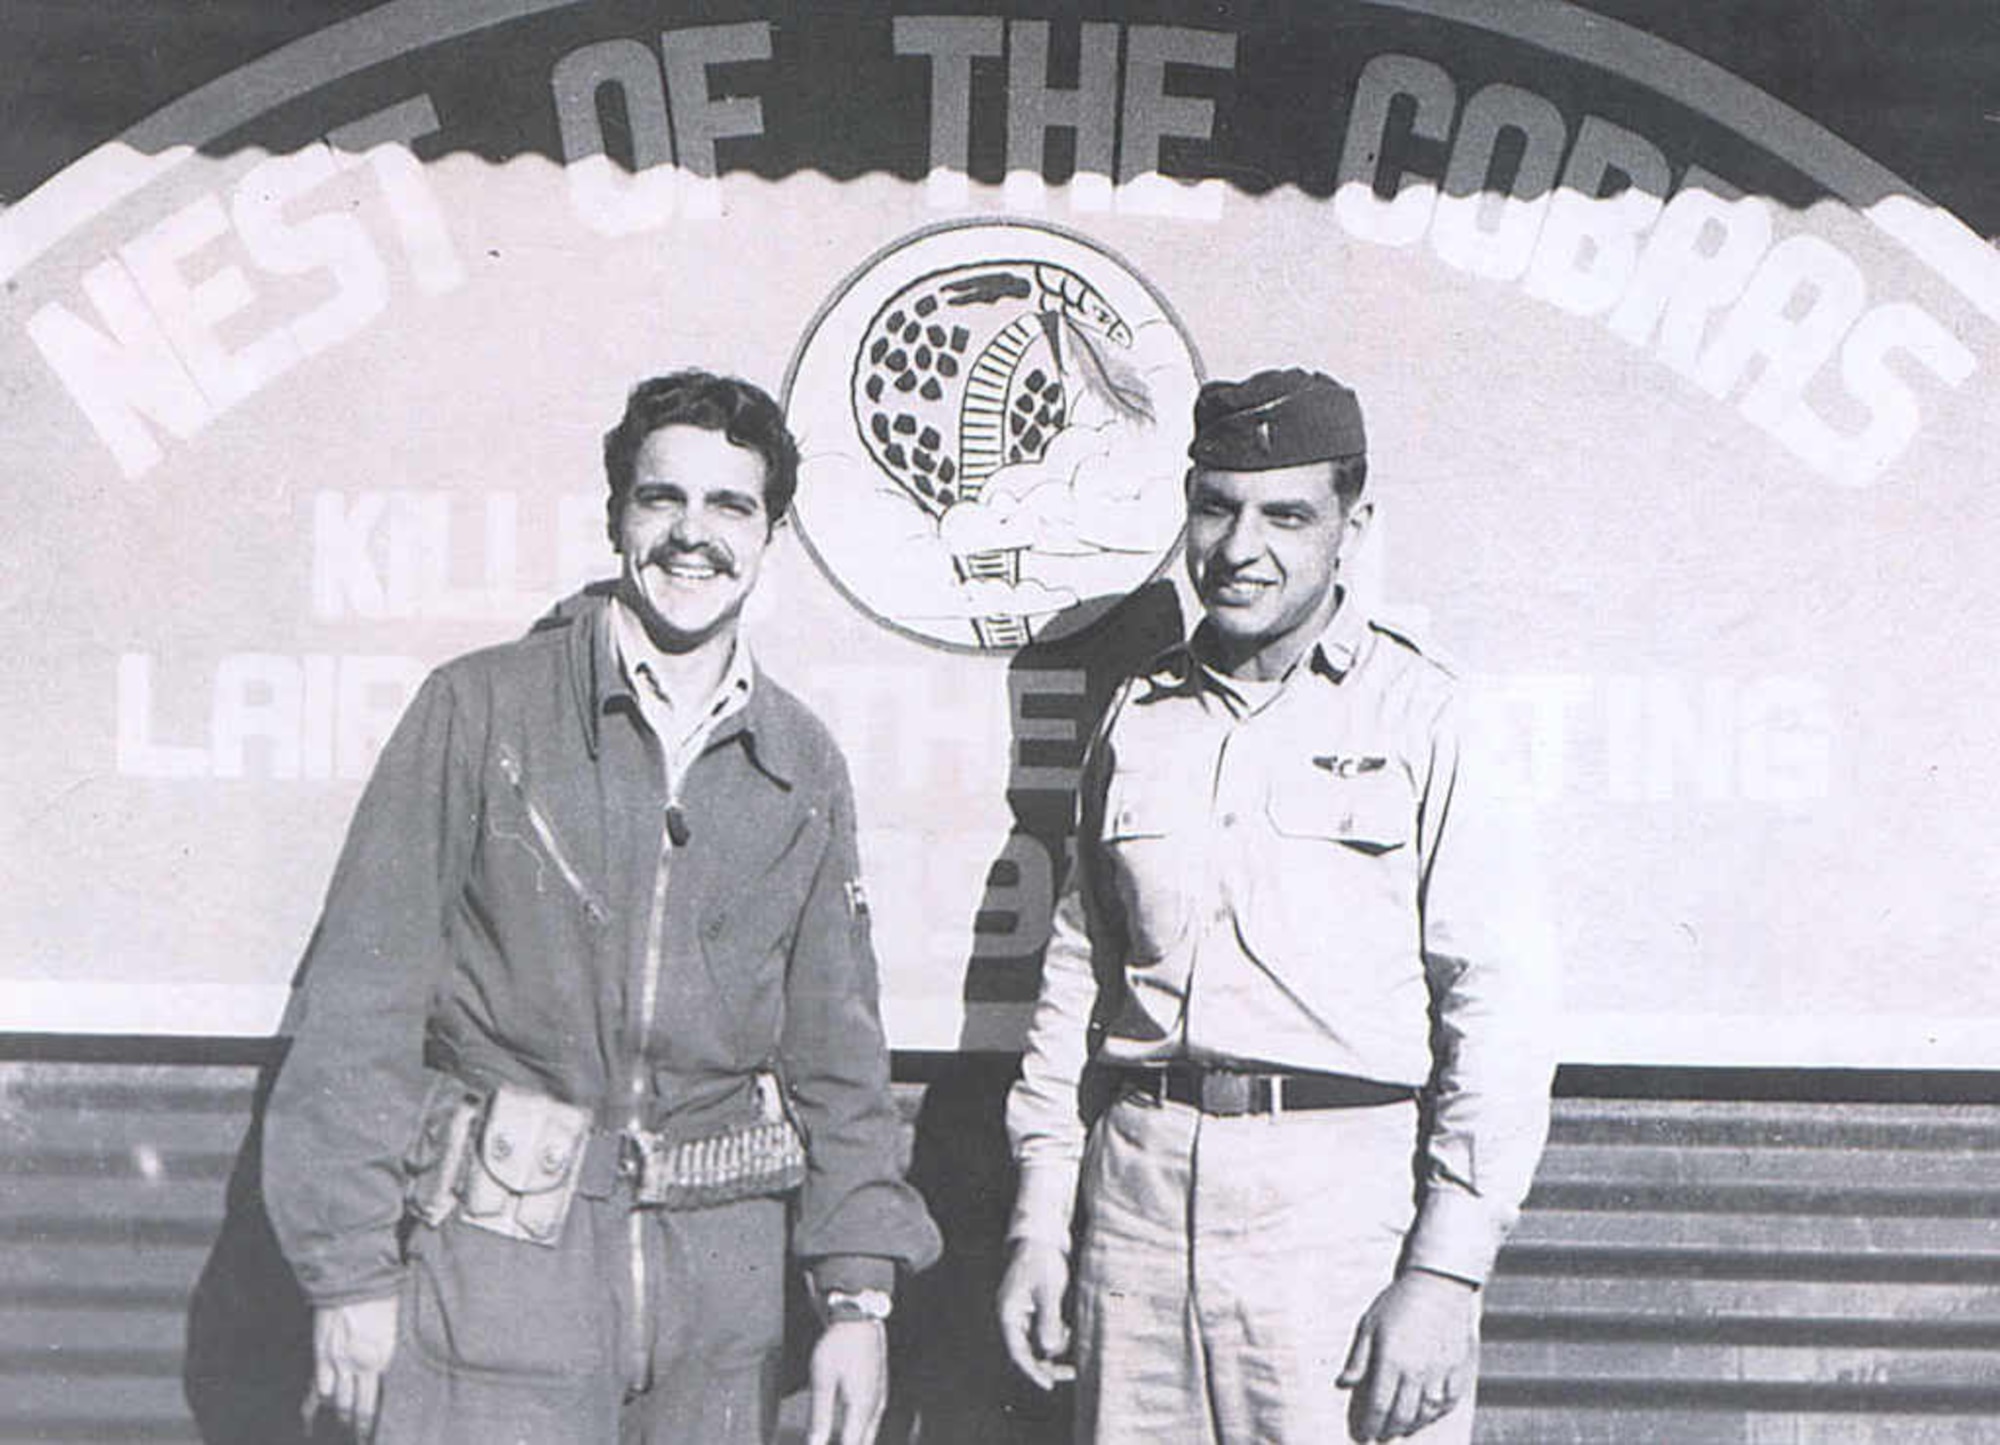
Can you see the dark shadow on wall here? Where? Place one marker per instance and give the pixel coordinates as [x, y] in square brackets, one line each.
[952, 1381]
[249, 1332]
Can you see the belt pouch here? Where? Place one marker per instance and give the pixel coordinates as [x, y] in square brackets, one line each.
[524, 1173]
[437, 1162]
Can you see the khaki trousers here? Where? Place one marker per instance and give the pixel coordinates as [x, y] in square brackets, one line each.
[1224, 1265]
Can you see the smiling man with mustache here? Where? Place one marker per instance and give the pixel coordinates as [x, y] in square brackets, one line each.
[1287, 1062]
[691, 528]
[588, 1036]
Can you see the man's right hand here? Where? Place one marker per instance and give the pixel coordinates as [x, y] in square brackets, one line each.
[1031, 1313]
[352, 1346]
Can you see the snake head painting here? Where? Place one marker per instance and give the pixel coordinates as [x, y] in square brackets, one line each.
[975, 367]
[992, 417]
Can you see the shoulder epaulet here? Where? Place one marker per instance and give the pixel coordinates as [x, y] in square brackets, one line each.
[1168, 672]
[1172, 657]
[1397, 630]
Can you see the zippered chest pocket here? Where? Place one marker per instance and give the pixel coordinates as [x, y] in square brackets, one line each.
[524, 832]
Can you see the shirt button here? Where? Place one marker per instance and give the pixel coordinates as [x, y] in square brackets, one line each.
[1229, 820]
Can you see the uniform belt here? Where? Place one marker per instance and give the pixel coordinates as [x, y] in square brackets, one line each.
[1230, 1092]
[606, 1165]
[753, 1160]
[737, 1159]
[614, 1161]
[606, 1162]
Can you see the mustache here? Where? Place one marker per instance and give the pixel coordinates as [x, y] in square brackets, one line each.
[713, 553]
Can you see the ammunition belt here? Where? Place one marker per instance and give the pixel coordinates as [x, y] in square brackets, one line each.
[510, 1160]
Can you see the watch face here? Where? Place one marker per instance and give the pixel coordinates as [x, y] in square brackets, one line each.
[867, 1304]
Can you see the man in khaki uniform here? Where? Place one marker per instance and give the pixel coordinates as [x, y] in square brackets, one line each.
[1293, 1001]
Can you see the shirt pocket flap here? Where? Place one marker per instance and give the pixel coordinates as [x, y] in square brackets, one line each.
[1370, 812]
[1138, 805]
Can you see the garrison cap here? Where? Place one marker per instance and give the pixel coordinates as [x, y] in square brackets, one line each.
[1275, 419]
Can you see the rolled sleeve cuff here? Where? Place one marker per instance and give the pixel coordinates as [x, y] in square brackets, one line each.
[326, 1281]
[1456, 1233]
[851, 1273]
[1044, 1203]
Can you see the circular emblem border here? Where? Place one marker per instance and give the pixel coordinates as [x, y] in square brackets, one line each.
[1096, 608]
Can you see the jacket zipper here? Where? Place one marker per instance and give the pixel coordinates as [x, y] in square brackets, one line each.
[635, 1118]
[545, 833]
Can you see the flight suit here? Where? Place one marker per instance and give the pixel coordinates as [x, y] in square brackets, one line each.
[521, 903]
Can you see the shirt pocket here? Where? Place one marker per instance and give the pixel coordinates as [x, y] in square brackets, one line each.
[1146, 852]
[1371, 813]
[1333, 877]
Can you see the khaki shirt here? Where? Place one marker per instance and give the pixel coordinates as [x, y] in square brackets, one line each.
[1301, 875]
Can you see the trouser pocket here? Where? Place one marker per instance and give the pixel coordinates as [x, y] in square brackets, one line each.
[482, 1304]
[501, 1343]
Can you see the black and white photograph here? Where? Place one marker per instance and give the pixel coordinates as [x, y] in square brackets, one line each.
[1204, 722]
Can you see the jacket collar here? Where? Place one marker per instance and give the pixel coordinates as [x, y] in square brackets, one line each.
[598, 684]
[770, 735]
[642, 664]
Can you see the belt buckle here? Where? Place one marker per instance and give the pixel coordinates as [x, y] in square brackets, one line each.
[1228, 1093]
[638, 1162]
[1141, 1082]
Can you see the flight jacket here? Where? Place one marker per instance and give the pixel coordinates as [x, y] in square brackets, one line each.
[507, 887]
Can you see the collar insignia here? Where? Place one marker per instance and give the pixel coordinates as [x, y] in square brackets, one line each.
[1349, 767]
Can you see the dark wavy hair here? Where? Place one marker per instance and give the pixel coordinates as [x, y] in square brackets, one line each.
[1350, 475]
[744, 413]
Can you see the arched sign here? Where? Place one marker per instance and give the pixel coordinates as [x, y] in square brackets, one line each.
[1680, 409]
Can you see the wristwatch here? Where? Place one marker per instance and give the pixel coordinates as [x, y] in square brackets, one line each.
[856, 1304]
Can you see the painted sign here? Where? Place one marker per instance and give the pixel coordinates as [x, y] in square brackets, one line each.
[1680, 412]
[981, 414]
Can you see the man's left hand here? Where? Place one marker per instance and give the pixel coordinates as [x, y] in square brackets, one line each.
[850, 1383]
[1413, 1355]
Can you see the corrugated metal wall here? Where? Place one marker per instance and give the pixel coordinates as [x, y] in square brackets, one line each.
[1688, 1271]
[112, 1183]
[1716, 1272]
